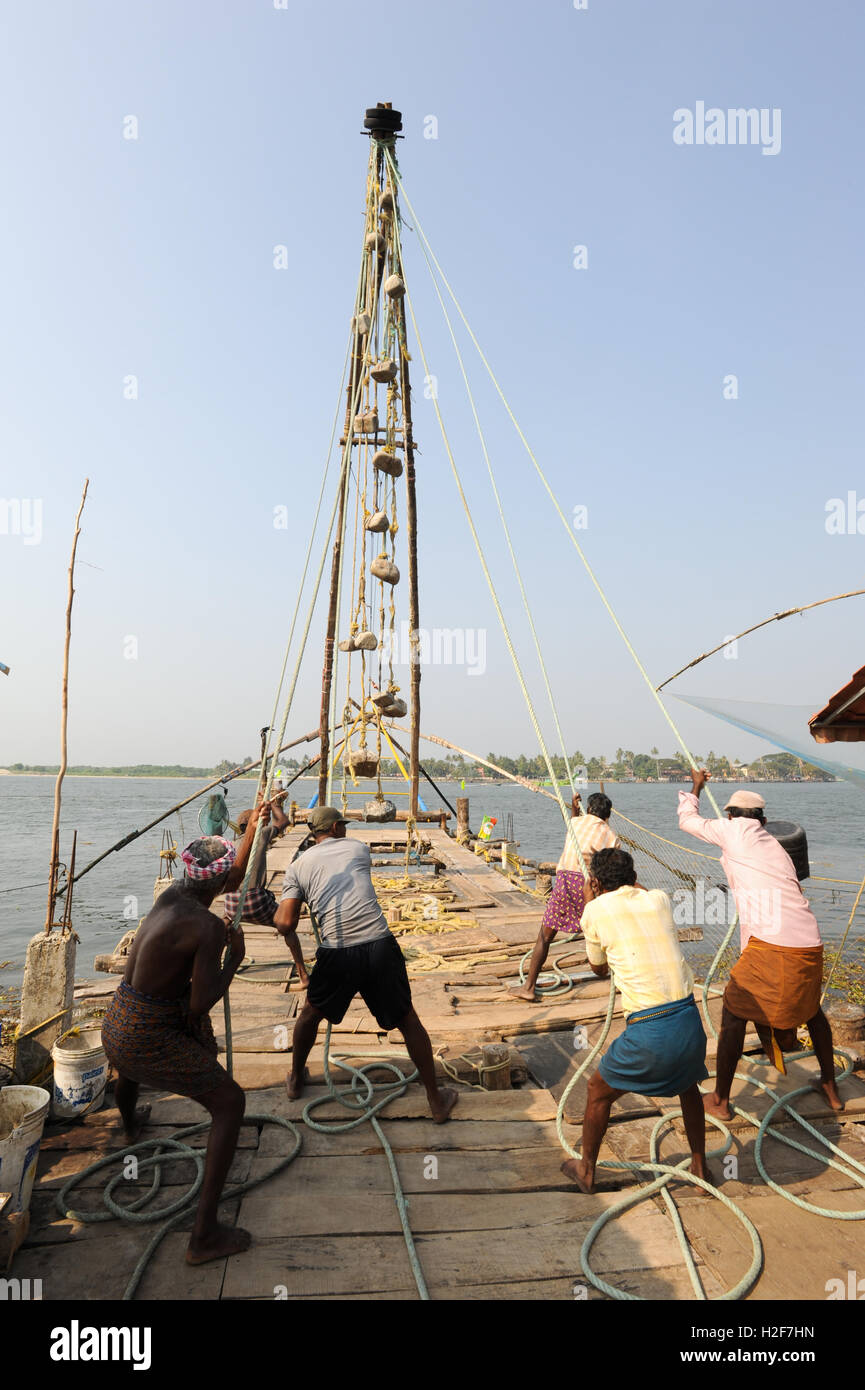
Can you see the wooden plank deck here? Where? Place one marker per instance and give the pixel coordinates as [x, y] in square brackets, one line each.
[492, 1215]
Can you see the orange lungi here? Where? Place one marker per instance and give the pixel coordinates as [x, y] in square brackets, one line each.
[777, 986]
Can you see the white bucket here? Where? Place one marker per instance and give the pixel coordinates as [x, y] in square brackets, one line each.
[80, 1073]
[22, 1119]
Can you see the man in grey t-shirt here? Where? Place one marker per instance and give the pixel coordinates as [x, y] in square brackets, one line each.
[357, 953]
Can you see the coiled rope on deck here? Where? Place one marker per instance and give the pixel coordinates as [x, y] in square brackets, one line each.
[158, 1152]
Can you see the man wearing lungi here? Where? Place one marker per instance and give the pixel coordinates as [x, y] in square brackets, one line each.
[157, 1030]
[662, 1051]
[565, 908]
[259, 905]
[358, 953]
[775, 983]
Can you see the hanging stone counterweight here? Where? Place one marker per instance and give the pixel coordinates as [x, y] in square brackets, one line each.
[384, 569]
[383, 371]
[387, 463]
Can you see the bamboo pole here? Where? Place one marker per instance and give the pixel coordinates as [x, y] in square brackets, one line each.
[511, 776]
[54, 866]
[775, 618]
[226, 777]
[352, 403]
[413, 601]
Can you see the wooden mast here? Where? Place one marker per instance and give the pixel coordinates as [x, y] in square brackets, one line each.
[336, 564]
[413, 605]
[390, 134]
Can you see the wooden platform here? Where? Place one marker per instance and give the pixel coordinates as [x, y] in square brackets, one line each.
[491, 1213]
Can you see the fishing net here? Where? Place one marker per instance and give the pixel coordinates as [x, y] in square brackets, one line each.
[703, 906]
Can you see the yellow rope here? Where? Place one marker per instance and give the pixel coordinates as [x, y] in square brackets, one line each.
[843, 940]
[568, 528]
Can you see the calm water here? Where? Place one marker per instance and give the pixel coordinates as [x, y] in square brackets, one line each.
[116, 894]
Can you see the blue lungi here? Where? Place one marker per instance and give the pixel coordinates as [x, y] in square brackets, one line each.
[662, 1051]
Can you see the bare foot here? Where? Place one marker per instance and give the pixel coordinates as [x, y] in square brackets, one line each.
[830, 1093]
[701, 1169]
[713, 1105]
[133, 1132]
[578, 1171]
[225, 1241]
[294, 1085]
[447, 1099]
[525, 993]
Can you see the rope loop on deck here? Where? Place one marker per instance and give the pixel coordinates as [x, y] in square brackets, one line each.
[157, 1152]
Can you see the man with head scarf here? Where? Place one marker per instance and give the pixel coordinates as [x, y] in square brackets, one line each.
[157, 1030]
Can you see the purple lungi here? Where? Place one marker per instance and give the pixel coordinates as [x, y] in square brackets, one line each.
[565, 908]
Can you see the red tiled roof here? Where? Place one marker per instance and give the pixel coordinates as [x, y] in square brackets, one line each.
[843, 719]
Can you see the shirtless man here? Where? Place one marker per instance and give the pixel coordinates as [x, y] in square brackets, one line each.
[158, 1032]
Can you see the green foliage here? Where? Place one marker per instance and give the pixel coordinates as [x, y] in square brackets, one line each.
[454, 766]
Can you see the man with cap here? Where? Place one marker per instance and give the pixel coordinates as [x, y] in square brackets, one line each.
[775, 983]
[357, 953]
[157, 1030]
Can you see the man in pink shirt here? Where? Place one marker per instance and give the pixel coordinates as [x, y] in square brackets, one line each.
[776, 981]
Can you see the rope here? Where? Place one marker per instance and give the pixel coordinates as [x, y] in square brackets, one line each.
[160, 1151]
[492, 588]
[843, 941]
[602, 595]
[359, 1098]
[666, 1172]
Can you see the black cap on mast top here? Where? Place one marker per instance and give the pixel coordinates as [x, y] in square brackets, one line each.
[382, 122]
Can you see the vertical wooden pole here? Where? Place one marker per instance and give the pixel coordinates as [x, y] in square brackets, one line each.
[54, 866]
[327, 666]
[411, 543]
[327, 670]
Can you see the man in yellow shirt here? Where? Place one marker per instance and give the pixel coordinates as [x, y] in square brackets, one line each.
[662, 1051]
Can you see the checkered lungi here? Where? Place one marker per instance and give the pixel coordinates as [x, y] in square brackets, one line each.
[259, 906]
[565, 908]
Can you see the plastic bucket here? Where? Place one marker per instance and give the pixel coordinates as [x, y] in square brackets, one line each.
[80, 1073]
[22, 1119]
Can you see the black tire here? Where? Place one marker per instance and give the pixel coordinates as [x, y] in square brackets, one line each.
[382, 118]
[792, 838]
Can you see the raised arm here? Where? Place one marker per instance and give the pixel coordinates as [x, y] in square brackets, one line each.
[238, 868]
[209, 979]
[690, 820]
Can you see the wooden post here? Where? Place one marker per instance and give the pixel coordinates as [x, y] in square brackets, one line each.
[847, 1021]
[411, 542]
[497, 1056]
[463, 832]
[54, 866]
[544, 879]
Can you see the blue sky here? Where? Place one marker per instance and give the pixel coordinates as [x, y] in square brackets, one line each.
[154, 257]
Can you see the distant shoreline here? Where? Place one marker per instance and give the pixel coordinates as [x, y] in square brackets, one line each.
[473, 781]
